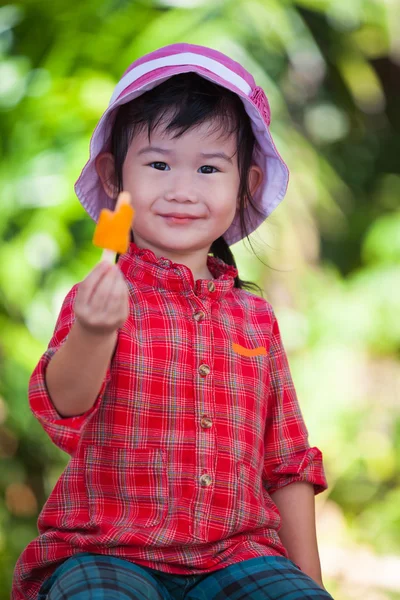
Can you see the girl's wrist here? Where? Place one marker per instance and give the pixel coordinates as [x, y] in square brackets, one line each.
[92, 335]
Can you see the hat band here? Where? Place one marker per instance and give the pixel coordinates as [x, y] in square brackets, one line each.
[184, 58]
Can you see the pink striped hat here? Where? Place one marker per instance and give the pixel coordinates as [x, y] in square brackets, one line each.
[154, 68]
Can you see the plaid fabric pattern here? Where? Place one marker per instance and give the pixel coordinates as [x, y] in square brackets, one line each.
[91, 577]
[174, 465]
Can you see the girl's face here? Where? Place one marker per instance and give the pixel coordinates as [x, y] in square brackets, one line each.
[194, 176]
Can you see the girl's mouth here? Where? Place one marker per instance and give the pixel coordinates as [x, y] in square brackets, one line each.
[179, 220]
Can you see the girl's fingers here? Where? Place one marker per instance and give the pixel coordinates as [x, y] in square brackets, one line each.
[91, 282]
[118, 301]
[104, 290]
[110, 287]
[102, 303]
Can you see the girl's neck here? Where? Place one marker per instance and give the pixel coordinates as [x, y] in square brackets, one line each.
[196, 261]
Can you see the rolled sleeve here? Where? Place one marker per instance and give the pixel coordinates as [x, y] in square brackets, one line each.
[288, 456]
[65, 432]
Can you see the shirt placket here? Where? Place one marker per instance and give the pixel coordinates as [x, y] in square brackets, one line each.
[206, 448]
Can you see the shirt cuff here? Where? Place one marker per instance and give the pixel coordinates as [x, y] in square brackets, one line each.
[63, 431]
[306, 466]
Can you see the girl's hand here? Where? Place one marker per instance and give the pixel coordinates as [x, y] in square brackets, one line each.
[102, 302]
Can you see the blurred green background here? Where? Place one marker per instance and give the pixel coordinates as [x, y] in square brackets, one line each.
[329, 255]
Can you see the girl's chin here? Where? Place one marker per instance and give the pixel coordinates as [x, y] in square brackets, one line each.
[178, 247]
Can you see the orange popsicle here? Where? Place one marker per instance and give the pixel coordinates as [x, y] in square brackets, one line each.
[112, 230]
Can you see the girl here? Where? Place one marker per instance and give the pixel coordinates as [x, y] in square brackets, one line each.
[166, 381]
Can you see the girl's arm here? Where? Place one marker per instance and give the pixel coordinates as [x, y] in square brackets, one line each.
[296, 505]
[76, 371]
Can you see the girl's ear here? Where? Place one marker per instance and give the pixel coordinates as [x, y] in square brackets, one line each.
[256, 177]
[105, 167]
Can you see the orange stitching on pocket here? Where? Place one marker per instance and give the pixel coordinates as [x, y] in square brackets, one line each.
[260, 351]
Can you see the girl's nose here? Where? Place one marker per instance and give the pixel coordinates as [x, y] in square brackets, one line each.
[181, 189]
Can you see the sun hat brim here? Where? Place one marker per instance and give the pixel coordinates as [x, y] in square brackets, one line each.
[89, 188]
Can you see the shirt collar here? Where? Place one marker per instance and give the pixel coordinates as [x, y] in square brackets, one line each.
[142, 265]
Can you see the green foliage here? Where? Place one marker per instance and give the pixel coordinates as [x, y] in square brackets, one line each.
[329, 255]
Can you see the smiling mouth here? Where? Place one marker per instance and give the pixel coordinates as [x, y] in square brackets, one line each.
[174, 219]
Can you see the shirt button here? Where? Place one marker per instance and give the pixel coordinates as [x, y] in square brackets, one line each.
[199, 315]
[205, 480]
[204, 369]
[211, 286]
[206, 422]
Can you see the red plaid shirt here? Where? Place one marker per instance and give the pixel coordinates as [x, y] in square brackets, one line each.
[196, 424]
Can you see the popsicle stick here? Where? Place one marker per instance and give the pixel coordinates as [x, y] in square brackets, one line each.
[108, 256]
[123, 198]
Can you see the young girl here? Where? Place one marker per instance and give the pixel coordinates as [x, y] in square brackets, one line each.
[166, 381]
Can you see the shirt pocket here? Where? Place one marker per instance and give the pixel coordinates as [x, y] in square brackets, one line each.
[125, 487]
[255, 507]
[247, 379]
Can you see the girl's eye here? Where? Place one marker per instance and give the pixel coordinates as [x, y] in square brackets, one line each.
[207, 169]
[160, 166]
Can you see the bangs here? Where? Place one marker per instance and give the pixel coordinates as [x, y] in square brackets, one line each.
[179, 104]
[196, 110]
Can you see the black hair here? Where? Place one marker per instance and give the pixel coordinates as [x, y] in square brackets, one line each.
[182, 102]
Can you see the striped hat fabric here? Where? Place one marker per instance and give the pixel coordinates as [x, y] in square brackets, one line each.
[151, 70]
